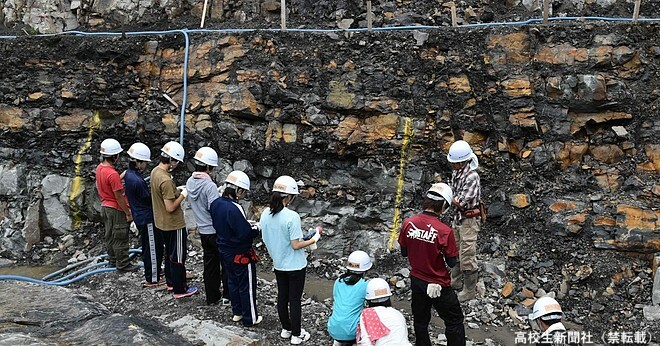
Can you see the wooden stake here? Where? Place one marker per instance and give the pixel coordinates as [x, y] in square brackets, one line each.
[206, 4]
[546, 11]
[283, 14]
[454, 22]
[369, 16]
[638, 3]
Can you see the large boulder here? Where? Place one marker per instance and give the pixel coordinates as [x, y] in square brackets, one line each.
[12, 179]
[55, 188]
[214, 333]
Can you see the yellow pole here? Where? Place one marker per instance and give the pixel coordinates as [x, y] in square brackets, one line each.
[77, 185]
[396, 221]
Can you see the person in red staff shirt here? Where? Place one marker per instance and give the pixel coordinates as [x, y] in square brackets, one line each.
[115, 211]
[431, 249]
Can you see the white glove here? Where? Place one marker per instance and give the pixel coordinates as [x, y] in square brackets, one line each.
[183, 190]
[316, 236]
[134, 228]
[433, 290]
[255, 225]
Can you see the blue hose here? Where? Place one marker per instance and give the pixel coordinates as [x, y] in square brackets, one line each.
[71, 266]
[52, 283]
[92, 266]
[83, 270]
[63, 280]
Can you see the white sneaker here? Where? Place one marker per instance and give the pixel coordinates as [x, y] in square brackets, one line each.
[237, 318]
[259, 319]
[297, 340]
[285, 334]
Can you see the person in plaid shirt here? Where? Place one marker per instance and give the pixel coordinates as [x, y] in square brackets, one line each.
[467, 216]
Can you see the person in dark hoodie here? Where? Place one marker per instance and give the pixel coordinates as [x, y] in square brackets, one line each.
[138, 194]
[202, 191]
[234, 237]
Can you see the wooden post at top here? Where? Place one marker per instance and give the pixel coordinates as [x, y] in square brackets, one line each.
[369, 16]
[546, 11]
[206, 5]
[454, 22]
[283, 14]
[638, 3]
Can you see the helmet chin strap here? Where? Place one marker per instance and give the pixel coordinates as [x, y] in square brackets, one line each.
[173, 164]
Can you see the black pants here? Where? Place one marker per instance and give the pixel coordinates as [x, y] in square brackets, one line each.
[242, 282]
[448, 308]
[290, 286]
[151, 241]
[176, 245]
[214, 270]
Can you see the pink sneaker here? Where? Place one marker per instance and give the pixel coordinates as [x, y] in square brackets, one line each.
[189, 292]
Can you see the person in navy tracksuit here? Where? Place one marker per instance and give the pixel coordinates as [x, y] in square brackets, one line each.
[234, 236]
[138, 194]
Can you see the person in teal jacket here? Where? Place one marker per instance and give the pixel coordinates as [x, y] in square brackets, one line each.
[348, 294]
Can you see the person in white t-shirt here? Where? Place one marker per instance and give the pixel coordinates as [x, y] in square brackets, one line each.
[380, 323]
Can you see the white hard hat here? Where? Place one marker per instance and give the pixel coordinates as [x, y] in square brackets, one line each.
[207, 156]
[546, 308]
[140, 151]
[110, 146]
[439, 191]
[378, 290]
[174, 150]
[358, 261]
[239, 178]
[286, 184]
[459, 151]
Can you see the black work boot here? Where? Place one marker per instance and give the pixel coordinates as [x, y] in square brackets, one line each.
[129, 268]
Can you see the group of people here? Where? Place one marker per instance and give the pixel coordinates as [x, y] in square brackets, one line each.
[442, 261]
[152, 205]
[432, 250]
[442, 258]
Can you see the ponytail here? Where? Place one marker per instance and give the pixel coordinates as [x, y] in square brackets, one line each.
[230, 191]
[351, 278]
[276, 203]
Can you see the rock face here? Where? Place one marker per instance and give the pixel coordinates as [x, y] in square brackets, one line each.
[339, 121]
[364, 123]
[73, 318]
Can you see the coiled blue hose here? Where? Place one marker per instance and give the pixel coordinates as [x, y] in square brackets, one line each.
[70, 278]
